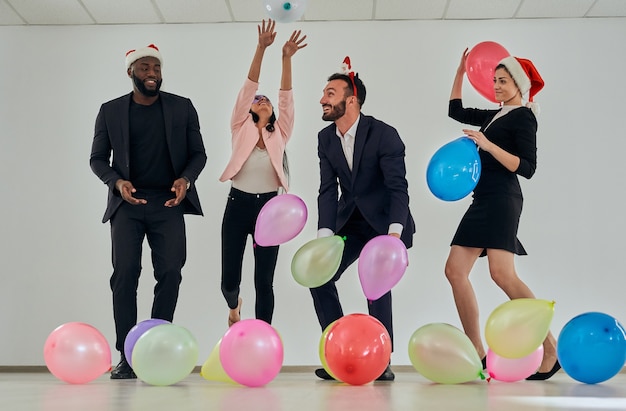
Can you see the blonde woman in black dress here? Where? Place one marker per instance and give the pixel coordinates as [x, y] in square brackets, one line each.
[507, 148]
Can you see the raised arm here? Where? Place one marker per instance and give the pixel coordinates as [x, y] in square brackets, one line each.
[289, 49]
[457, 86]
[266, 38]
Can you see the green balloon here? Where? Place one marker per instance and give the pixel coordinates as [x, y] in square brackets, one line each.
[316, 262]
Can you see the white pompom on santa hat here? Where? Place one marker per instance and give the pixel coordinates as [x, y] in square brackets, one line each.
[148, 51]
[526, 78]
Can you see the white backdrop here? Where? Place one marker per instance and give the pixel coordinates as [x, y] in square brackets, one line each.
[55, 253]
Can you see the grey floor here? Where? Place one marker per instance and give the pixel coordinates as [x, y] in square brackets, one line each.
[302, 391]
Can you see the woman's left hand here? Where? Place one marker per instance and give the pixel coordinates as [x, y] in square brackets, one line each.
[294, 44]
[479, 138]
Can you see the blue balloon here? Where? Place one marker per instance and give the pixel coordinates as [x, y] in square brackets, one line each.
[592, 347]
[454, 170]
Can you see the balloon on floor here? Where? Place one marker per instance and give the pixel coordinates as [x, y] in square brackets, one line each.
[517, 327]
[444, 354]
[251, 352]
[513, 369]
[281, 219]
[357, 349]
[77, 353]
[592, 347]
[480, 67]
[382, 264]
[212, 369]
[285, 11]
[454, 170]
[165, 355]
[137, 331]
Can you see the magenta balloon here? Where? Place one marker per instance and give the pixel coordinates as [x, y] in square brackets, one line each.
[77, 353]
[382, 264]
[513, 369]
[251, 352]
[137, 331]
[280, 219]
[480, 67]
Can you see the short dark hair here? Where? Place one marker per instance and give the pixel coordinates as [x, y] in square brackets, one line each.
[358, 84]
[270, 126]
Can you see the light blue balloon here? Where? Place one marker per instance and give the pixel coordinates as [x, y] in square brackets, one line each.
[454, 170]
[592, 347]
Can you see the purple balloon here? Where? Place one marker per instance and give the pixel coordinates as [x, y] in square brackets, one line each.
[382, 264]
[137, 331]
[280, 220]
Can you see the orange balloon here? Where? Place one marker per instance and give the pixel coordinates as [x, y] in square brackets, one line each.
[358, 349]
[480, 67]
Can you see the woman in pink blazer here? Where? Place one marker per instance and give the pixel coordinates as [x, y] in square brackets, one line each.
[257, 170]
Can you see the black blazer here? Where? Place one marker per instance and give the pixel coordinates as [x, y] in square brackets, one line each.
[182, 132]
[377, 184]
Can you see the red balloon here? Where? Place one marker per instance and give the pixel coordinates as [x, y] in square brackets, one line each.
[357, 349]
[480, 67]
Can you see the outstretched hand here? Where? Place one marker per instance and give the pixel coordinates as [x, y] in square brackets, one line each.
[294, 44]
[266, 33]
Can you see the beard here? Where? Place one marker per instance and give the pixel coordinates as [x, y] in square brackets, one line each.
[145, 91]
[336, 113]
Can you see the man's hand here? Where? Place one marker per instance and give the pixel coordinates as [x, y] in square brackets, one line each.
[395, 235]
[180, 189]
[126, 190]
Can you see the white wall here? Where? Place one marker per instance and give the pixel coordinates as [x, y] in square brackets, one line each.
[55, 253]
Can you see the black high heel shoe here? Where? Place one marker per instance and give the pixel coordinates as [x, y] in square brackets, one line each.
[484, 361]
[542, 376]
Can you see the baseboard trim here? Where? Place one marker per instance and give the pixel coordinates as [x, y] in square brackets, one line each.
[284, 369]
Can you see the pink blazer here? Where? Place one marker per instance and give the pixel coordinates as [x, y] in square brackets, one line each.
[245, 133]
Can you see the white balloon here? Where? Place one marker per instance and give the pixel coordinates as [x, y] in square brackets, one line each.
[285, 11]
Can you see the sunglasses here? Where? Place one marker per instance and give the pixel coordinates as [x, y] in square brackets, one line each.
[260, 97]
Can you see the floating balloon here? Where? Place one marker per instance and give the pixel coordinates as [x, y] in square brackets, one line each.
[316, 262]
[136, 332]
[444, 354]
[382, 264]
[513, 369]
[516, 328]
[592, 347]
[357, 349]
[480, 67]
[281, 219]
[77, 353]
[212, 369]
[454, 170]
[165, 355]
[251, 352]
[285, 11]
[322, 349]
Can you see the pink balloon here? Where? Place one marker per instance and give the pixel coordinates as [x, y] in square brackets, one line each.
[480, 67]
[513, 369]
[251, 352]
[382, 264]
[77, 353]
[280, 219]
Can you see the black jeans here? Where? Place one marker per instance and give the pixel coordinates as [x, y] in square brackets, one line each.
[239, 220]
[164, 227]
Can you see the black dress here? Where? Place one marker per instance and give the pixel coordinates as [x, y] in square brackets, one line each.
[493, 217]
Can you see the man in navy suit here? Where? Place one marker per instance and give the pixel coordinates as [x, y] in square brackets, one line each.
[158, 154]
[364, 159]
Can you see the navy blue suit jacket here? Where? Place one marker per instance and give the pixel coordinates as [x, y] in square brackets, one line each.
[184, 141]
[377, 184]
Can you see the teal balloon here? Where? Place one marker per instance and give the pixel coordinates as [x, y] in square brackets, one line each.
[454, 170]
[592, 347]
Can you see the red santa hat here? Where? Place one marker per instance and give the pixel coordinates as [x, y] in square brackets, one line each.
[148, 51]
[526, 78]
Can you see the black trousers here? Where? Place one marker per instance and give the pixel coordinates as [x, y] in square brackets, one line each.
[326, 299]
[238, 223]
[164, 228]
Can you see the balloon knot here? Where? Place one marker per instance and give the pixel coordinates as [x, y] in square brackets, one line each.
[344, 238]
[287, 6]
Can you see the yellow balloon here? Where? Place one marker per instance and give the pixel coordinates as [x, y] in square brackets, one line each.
[316, 262]
[322, 349]
[212, 369]
[444, 354]
[516, 328]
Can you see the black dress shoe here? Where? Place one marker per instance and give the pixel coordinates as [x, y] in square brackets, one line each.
[123, 371]
[387, 375]
[323, 374]
[542, 376]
